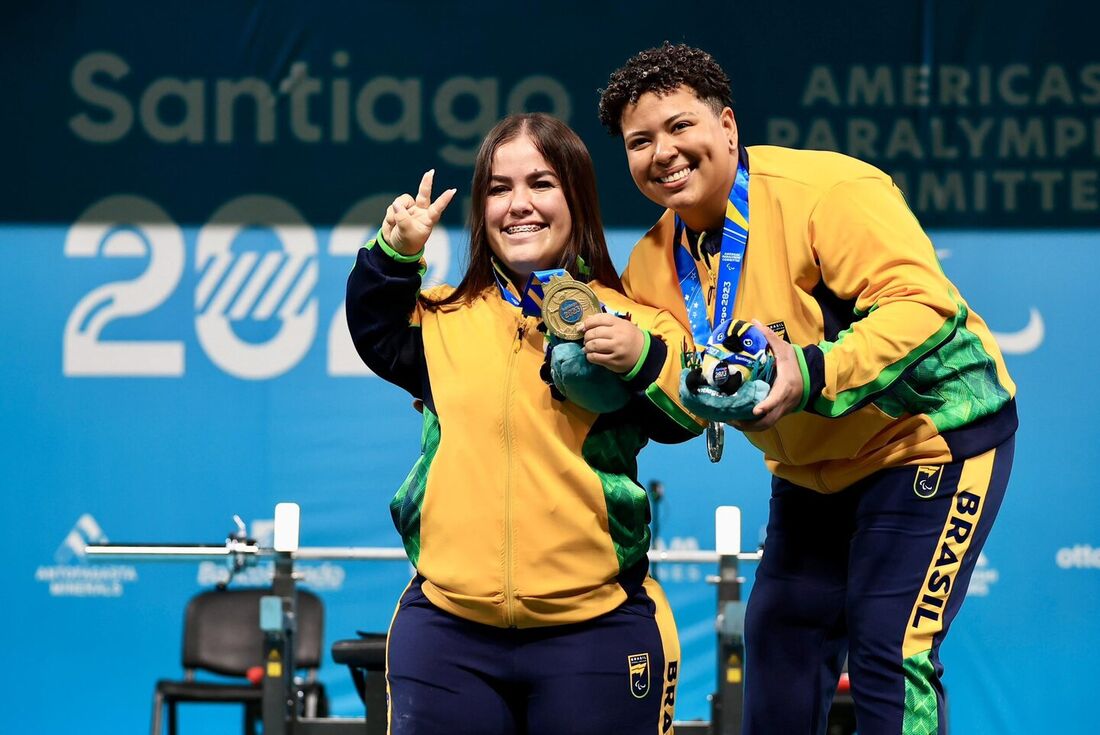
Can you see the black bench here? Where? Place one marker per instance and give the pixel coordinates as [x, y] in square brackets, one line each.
[365, 657]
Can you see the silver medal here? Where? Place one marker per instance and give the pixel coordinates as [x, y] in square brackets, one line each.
[716, 439]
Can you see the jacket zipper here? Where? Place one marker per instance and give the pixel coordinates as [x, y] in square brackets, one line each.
[509, 600]
[780, 449]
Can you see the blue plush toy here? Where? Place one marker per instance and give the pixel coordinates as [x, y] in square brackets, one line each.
[730, 376]
[712, 405]
[592, 387]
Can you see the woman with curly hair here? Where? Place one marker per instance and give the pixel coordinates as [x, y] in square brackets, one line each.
[889, 429]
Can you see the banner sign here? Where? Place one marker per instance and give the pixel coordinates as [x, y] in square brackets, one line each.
[986, 119]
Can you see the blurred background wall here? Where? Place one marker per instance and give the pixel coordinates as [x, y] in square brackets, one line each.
[184, 188]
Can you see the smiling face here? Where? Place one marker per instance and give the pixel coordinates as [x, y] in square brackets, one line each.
[682, 155]
[527, 218]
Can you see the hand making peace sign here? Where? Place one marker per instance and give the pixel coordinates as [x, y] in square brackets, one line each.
[409, 221]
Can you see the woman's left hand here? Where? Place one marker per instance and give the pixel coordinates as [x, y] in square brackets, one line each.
[612, 342]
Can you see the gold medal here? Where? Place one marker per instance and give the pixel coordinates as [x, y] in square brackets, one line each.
[716, 439]
[565, 304]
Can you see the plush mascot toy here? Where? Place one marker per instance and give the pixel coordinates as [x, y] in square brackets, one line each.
[592, 387]
[732, 373]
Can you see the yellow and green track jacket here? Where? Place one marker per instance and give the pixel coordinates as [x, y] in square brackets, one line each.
[523, 510]
[896, 367]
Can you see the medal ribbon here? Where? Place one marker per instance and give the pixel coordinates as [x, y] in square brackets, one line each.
[531, 303]
[507, 291]
[735, 237]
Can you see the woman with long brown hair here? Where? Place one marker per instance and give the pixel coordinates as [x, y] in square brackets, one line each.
[531, 610]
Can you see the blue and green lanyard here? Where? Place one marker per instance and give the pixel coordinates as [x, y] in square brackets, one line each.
[735, 238]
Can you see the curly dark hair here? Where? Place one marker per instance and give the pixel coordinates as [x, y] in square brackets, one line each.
[661, 70]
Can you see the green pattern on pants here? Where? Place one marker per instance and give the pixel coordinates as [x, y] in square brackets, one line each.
[921, 705]
[612, 455]
[407, 503]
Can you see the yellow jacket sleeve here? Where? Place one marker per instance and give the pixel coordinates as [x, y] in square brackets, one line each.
[873, 252]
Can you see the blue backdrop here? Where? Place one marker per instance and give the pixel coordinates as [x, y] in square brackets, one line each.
[184, 191]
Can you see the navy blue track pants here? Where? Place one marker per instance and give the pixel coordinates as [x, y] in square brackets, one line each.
[616, 673]
[877, 572]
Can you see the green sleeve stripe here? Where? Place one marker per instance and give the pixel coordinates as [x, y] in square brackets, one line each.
[846, 400]
[647, 341]
[379, 240]
[827, 347]
[669, 406]
[805, 378]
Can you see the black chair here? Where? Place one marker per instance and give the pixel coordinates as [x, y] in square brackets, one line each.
[365, 657]
[221, 634]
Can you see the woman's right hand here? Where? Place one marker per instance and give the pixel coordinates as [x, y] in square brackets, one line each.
[409, 221]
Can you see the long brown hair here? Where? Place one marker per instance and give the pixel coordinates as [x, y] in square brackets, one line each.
[569, 158]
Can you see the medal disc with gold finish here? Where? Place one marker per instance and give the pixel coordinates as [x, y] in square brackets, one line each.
[565, 305]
